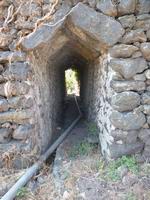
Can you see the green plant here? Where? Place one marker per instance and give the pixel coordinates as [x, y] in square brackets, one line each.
[22, 192]
[111, 171]
[82, 148]
[130, 196]
[92, 128]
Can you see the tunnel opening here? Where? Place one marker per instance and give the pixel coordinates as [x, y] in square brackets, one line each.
[55, 103]
[72, 83]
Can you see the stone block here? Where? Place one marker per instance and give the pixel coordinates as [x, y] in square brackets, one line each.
[96, 25]
[19, 117]
[128, 121]
[22, 132]
[137, 54]
[5, 40]
[20, 102]
[128, 67]
[17, 71]
[118, 150]
[122, 51]
[3, 105]
[145, 48]
[126, 7]
[121, 86]
[127, 21]
[139, 77]
[145, 98]
[107, 7]
[134, 36]
[142, 24]
[128, 137]
[144, 134]
[5, 135]
[13, 89]
[9, 56]
[125, 101]
[146, 109]
[143, 6]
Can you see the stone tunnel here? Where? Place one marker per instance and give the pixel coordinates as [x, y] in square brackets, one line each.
[113, 64]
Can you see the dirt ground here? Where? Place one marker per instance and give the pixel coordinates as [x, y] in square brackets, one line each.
[85, 180]
[79, 172]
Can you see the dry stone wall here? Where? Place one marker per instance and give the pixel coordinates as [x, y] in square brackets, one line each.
[117, 30]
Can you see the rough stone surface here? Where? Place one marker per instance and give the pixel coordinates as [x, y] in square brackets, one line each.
[107, 7]
[125, 101]
[128, 67]
[8, 56]
[126, 7]
[144, 134]
[5, 135]
[121, 86]
[134, 36]
[147, 109]
[146, 98]
[96, 25]
[17, 71]
[20, 102]
[147, 73]
[128, 137]
[3, 105]
[142, 24]
[143, 6]
[13, 89]
[128, 121]
[139, 77]
[5, 40]
[122, 51]
[145, 48]
[137, 54]
[15, 116]
[118, 150]
[22, 132]
[127, 21]
[42, 35]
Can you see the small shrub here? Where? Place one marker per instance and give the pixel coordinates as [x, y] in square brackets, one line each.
[22, 192]
[81, 149]
[130, 196]
[111, 171]
[92, 128]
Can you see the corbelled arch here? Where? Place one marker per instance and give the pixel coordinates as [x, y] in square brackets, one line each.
[85, 36]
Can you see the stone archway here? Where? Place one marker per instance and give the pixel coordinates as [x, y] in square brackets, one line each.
[73, 39]
[89, 35]
[116, 82]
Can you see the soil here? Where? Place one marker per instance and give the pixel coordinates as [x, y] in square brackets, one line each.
[78, 173]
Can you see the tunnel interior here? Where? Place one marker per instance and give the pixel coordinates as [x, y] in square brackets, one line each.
[53, 105]
[64, 102]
